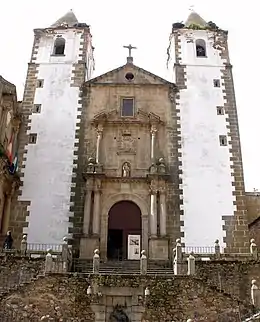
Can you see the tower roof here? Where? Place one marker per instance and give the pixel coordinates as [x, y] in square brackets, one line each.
[195, 19]
[69, 19]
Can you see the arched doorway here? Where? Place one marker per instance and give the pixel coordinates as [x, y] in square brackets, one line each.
[124, 231]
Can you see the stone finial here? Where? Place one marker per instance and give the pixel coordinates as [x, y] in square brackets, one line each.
[253, 248]
[65, 240]
[255, 294]
[96, 261]
[89, 290]
[24, 244]
[143, 263]
[177, 257]
[217, 247]
[191, 264]
[48, 261]
[146, 292]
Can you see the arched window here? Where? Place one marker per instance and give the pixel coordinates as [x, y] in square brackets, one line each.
[200, 48]
[59, 46]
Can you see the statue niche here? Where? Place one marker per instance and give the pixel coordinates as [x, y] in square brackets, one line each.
[118, 315]
[126, 170]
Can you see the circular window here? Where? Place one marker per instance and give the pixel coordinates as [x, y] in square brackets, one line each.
[129, 76]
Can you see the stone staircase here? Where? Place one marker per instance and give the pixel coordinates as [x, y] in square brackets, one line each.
[125, 267]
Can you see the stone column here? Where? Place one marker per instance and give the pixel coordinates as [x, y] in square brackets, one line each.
[96, 212]
[162, 212]
[99, 136]
[153, 133]
[153, 212]
[87, 209]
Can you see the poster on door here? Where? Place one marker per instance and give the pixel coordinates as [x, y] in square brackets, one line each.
[133, 248]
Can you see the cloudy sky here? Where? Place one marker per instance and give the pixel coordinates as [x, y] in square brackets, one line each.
[147, 25]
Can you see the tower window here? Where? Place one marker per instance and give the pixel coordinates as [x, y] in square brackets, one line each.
[127, 107]
[39, 83]
[223, 140]
[216, 82]
[32, 138]
[59, 46]
[220, 110]
[37, 108]
[200, 48]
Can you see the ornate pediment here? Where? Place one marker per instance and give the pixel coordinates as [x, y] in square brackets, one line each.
[129, 74]
[114, 117]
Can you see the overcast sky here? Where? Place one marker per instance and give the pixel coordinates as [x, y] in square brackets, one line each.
[146, 25]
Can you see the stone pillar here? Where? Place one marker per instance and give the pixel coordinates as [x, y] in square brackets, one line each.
[153, 133]
[177, 262]
[99, 136]
[162, 212]
[87, 209]
[253, 248]
[96, 261]
[255, 294]
[48, 261]
[143, 263]
[96, 212]
[191, 265]
[24, 245]
[153, 212]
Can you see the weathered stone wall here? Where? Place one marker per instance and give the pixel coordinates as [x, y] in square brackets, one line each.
[64, 298]
[253, 206]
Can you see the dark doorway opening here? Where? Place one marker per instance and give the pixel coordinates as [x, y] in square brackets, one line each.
[115, 244]
[124, 219]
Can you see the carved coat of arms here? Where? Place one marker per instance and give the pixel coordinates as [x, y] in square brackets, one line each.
[126, 145]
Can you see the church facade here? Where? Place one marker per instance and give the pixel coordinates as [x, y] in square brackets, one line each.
[137, 161]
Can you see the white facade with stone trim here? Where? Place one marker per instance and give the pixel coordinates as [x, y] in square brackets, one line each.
[206, 166]
[49, 162]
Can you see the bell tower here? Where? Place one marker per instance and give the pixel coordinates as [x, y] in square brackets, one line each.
[62, 59]
[211, 178]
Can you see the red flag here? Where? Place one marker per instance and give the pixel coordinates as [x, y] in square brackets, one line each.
[10, 149]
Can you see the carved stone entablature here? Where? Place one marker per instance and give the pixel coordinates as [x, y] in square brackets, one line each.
[114, 117]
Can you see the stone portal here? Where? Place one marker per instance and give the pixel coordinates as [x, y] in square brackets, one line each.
[124, 231]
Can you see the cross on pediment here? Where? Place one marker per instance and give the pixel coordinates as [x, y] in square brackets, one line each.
[130, 47]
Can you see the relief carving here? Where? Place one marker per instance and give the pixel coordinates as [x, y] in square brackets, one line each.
[126, 144]
[126, 170]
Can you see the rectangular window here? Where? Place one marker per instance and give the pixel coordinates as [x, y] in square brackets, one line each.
[223, 140]
[39, 83]
[220, 110]
[216, 82]
[37, 108]
[32, 138]
[127, 108]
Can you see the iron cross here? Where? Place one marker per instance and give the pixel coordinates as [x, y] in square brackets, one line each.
[130, 47]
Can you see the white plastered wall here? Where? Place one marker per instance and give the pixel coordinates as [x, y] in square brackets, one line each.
[49, 163]
[206, 166]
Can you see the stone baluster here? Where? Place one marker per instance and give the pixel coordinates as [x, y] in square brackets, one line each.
[253, 248]
[99, 136]
[255, 294]
[96, 211]
[162, 212]
[87, 209]
[143, 263]
[177, 258]
[153, 212]
[153, 133]
[191, 264]
[48, 261]
[24, 245]
[96, 261]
